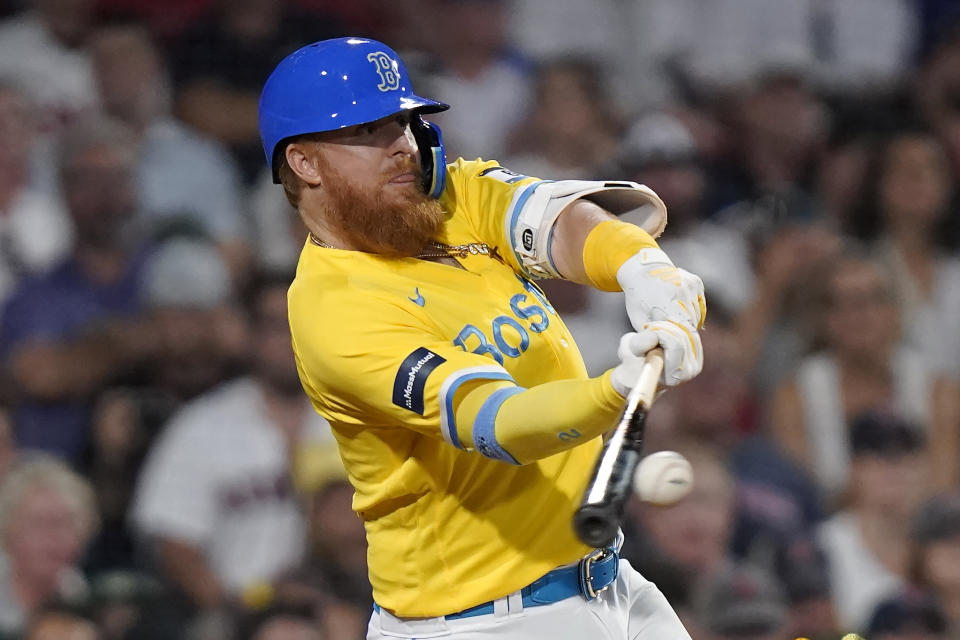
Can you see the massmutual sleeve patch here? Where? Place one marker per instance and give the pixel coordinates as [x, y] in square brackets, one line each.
[412, 378]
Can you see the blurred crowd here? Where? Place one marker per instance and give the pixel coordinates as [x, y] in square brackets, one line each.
[162, 475]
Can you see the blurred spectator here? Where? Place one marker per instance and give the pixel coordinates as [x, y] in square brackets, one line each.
[8, 448]
[660, 151]
[35, 232]
[215, 495]
[333, 578]
[937, 87]
[741, 602]
[278, 231]
[775, 505]
[868, 542]
[908, 204]
[61, 623]
[477, 71]
[128, 605]
[47, 515]
[779, 125]
[571, 128]
[863, 48]
[189, 297]
[43, 50]
[774, 327]
[220, 66]
[839, 175]
[802, 569]
[863, 366]
[776, 500]
[286, 623]
[910, 615]
[66, 333]
[187, 301]
[166, 21]
[685, 545]
[679, 48]
[179, 174]
[849, 46]
[547, 29]
[936, 534]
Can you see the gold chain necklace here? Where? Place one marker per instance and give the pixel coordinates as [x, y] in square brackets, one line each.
[438, 249]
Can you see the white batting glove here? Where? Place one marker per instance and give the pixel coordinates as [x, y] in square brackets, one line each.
[633, 346]
[682, 355]
[656, 290]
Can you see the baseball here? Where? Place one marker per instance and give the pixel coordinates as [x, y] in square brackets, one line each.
[663, 478]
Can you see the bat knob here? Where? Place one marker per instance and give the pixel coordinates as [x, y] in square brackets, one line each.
[596, 525]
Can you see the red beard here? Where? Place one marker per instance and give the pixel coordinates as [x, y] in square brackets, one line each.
[368, 222]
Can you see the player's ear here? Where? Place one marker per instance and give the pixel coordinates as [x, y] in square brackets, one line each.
[303, 158]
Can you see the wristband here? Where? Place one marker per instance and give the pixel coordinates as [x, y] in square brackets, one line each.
[608, 246]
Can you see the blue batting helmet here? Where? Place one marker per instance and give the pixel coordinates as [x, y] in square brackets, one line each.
[344, 82]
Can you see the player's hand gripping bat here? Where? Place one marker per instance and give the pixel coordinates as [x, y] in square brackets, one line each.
[598, 519]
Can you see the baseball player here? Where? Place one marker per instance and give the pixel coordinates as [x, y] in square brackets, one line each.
[460, 403]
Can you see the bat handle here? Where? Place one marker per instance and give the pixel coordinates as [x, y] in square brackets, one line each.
[597, 521]
[645, 390]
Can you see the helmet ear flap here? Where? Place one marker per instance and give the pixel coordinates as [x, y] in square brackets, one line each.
[433, 157]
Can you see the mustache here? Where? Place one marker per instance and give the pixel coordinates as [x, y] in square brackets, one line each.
[405, 165]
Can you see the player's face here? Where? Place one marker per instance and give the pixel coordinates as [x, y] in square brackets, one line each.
[380, 155]
[372, 183]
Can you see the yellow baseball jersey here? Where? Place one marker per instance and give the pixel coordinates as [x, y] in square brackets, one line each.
[383, 345]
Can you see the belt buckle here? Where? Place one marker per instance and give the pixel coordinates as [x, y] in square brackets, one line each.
[586, 578]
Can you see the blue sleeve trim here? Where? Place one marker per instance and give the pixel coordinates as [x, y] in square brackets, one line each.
[553, 265]
[484, 437]
[448, 419]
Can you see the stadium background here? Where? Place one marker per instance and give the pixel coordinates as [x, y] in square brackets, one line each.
[808, 152]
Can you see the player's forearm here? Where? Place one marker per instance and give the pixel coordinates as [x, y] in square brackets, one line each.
[591, 256]
[523, 425]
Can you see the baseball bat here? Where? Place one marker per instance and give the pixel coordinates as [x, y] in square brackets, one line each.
[598, 518]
